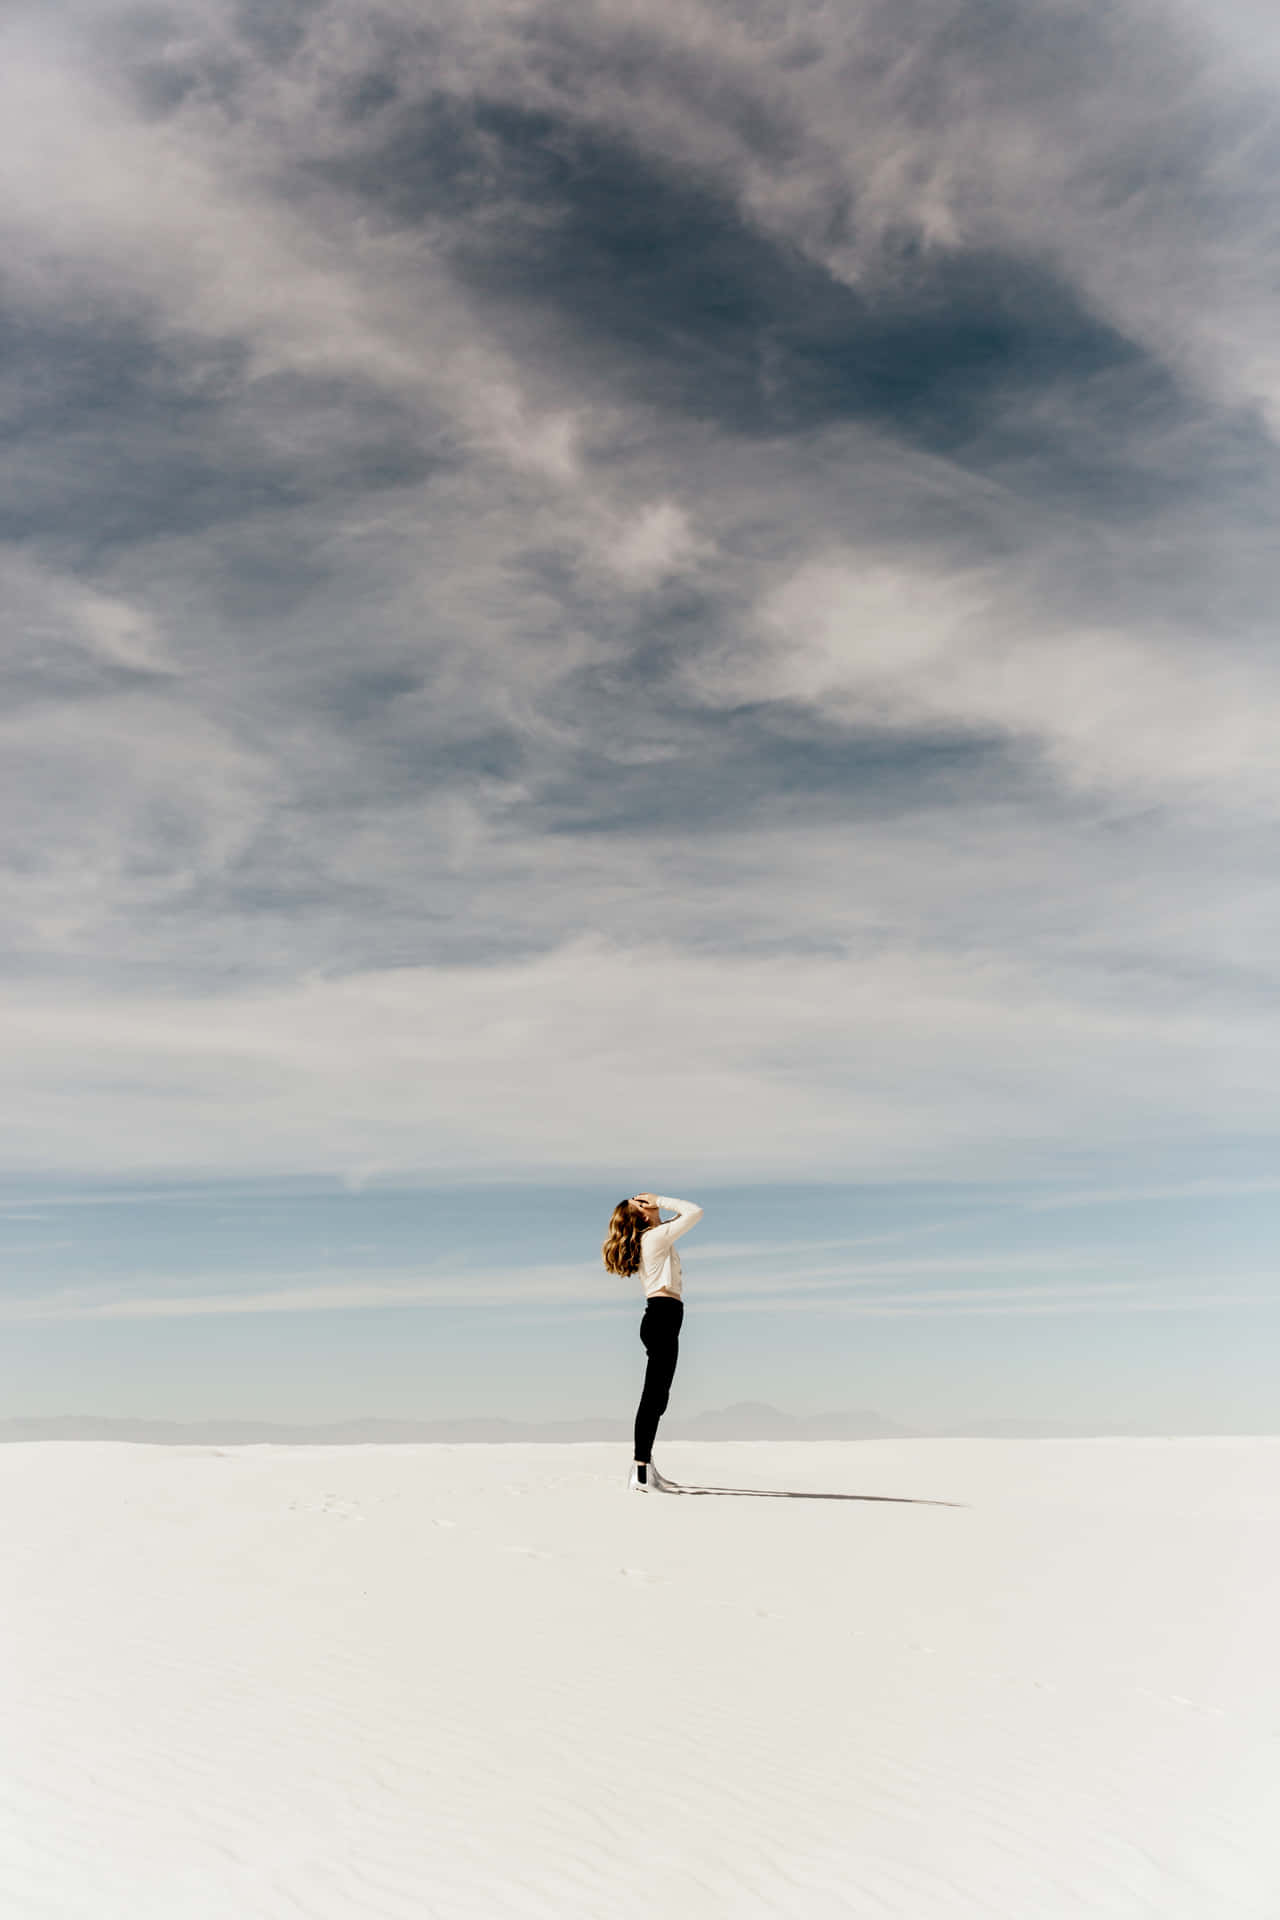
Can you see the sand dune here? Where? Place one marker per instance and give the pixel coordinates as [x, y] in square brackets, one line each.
[443, 1681]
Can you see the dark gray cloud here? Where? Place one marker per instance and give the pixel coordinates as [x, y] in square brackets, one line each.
[668, 294]
[117, 437]
[693, 304]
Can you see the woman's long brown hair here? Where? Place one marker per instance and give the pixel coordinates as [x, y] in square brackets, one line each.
[621, 1248]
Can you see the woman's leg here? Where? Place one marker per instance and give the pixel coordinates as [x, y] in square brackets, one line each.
[660, 1332]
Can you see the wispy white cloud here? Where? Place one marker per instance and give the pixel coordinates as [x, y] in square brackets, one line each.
[234, 1295]
[1190, 1189]
[580, 1286]
[906, 648]
[894, 1063]
[1012, 1303]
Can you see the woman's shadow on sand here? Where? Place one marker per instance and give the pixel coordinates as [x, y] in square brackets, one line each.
[784, 1493]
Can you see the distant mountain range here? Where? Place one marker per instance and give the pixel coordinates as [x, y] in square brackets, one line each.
[748, 1420]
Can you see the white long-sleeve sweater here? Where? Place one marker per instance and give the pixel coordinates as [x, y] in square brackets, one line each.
[659, 1262]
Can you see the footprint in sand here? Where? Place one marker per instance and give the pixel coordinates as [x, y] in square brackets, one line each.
[329, 1504]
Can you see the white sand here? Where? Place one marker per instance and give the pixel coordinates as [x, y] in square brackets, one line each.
[453, 1681]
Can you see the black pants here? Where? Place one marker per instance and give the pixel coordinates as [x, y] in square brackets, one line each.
[660, 1332]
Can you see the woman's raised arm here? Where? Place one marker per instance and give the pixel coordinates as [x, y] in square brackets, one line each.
[687, 1213]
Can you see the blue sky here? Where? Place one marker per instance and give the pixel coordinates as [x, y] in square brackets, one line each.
[933, 1305]
[602, 597]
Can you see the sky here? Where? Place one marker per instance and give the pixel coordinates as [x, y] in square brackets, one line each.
[604, 597]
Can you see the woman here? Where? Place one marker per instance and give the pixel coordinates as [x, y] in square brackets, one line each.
[640, 1241]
